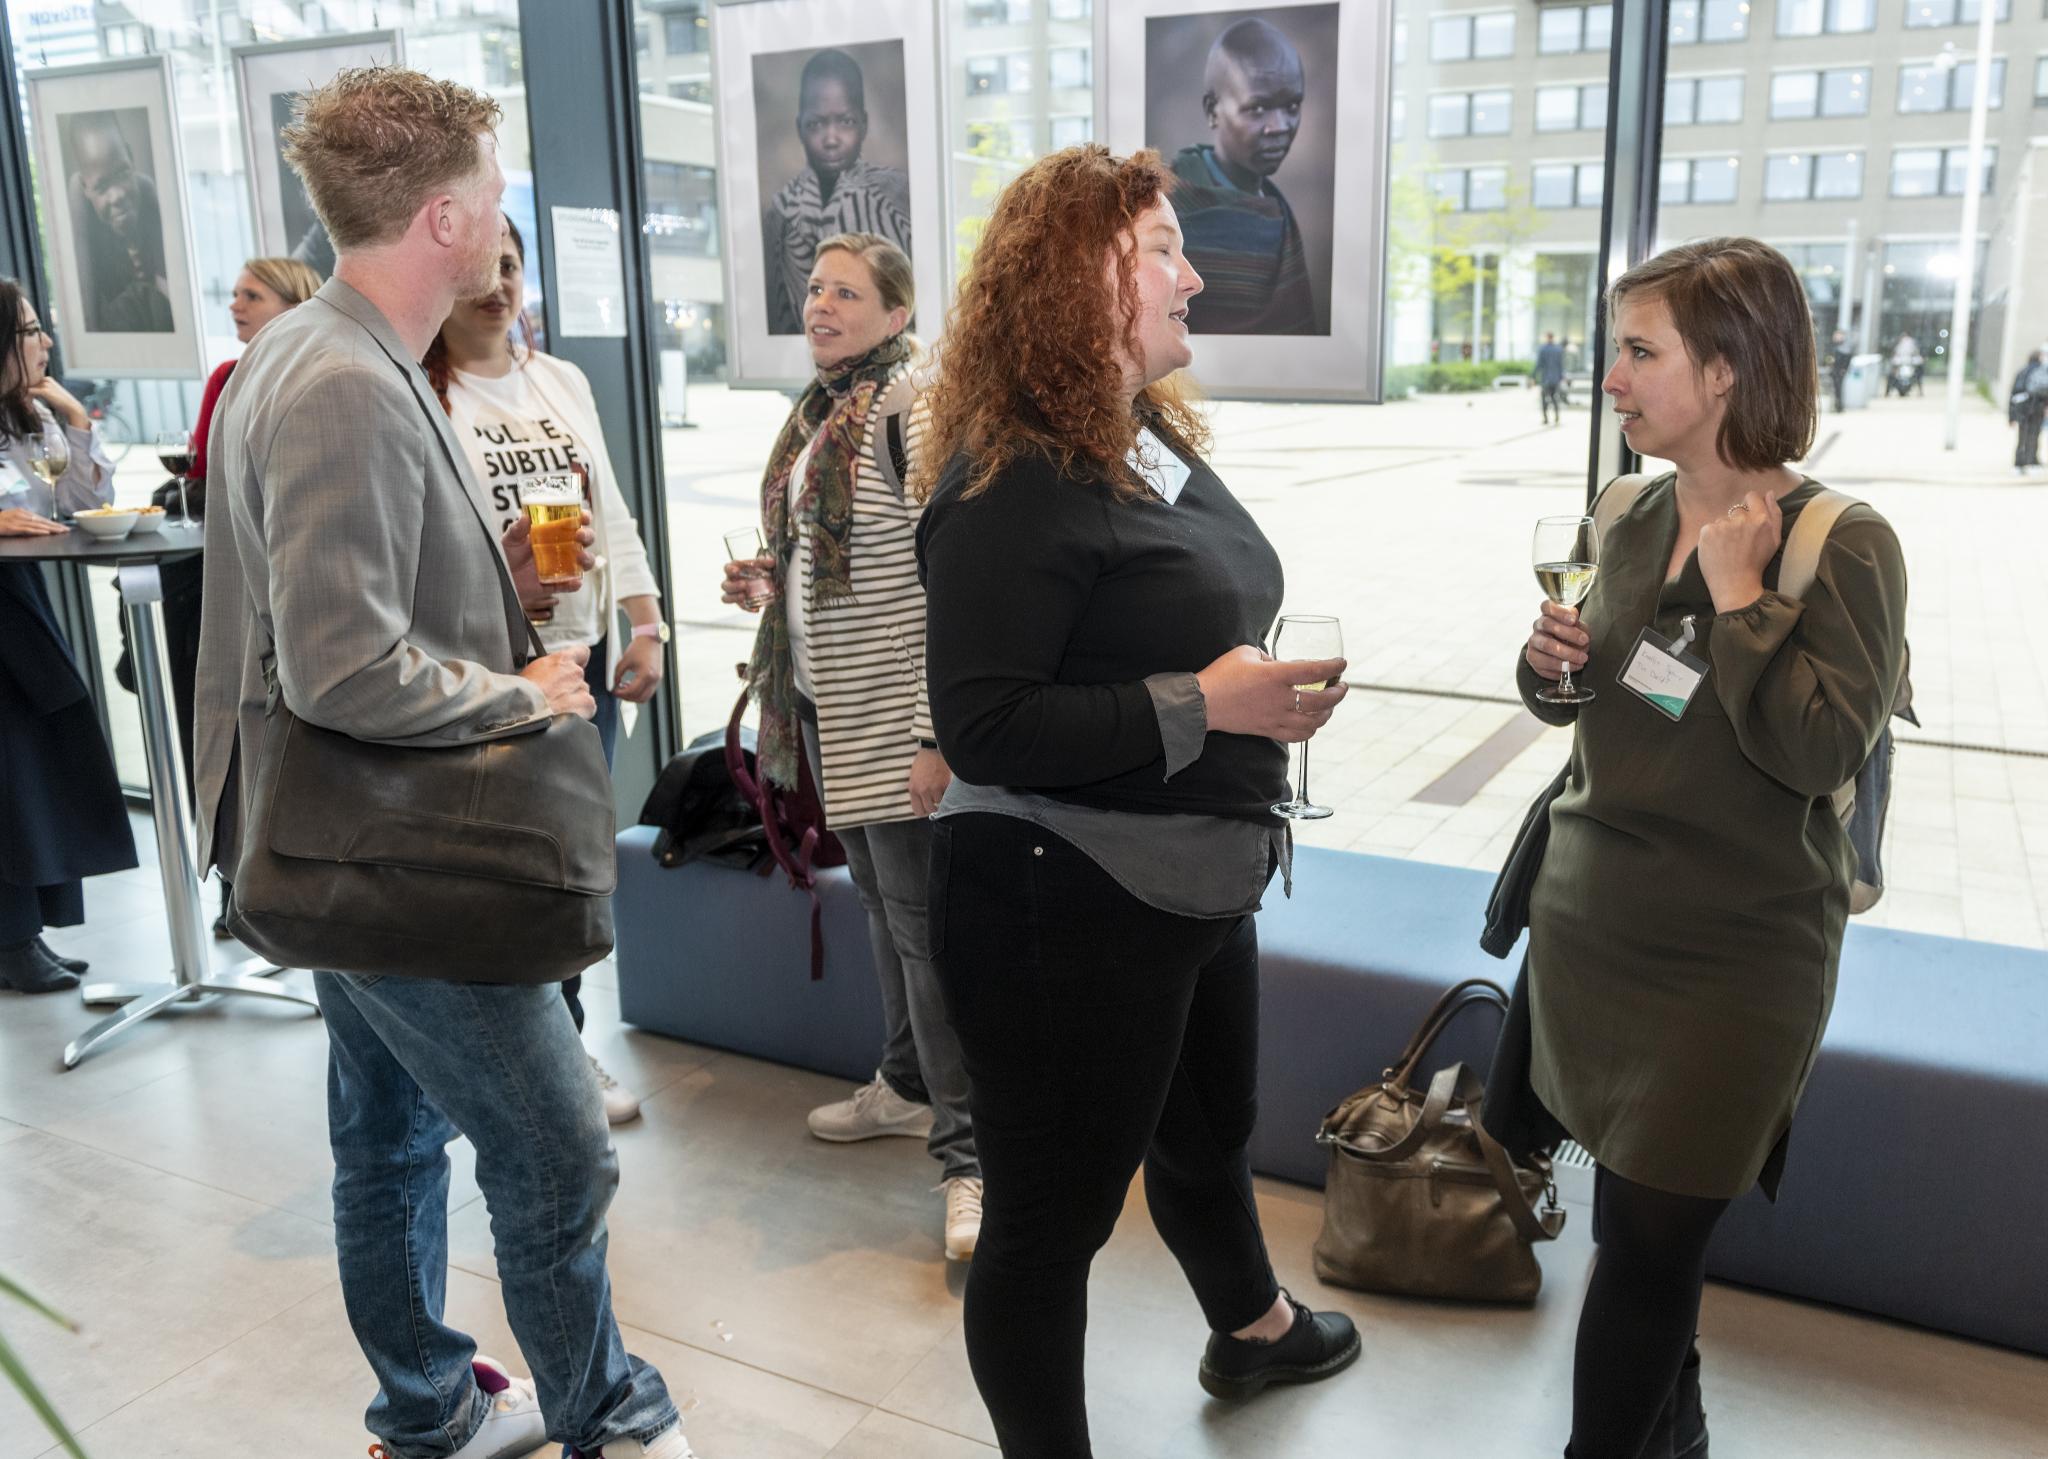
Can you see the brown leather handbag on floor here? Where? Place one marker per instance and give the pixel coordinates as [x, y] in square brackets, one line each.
[1420, 1200]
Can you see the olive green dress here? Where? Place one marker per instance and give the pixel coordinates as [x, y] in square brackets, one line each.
[1686, 922]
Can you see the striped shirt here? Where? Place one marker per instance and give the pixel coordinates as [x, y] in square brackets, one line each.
[866, 199]
[866, 650]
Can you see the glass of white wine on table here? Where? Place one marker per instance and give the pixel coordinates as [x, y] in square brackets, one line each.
[1306, 636]
[1567, 557]
[48, 457]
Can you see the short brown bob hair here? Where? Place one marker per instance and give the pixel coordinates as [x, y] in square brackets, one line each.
[376, 142]
[894, 280]
[1738, 300]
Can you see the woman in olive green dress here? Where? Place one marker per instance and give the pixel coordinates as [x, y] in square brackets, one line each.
[1685, 925]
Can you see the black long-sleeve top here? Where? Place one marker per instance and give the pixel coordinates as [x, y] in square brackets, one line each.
[1049, 603]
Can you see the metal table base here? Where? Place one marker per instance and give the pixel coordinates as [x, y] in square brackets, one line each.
[192, 977]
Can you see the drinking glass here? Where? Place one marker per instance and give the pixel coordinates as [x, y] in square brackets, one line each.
[745, 545]
[1306, 636]
[1567, 557]
[48, 457]
[554, 507]
[174, 449]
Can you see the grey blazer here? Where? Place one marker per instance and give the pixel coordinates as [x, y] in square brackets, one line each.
[348, 542]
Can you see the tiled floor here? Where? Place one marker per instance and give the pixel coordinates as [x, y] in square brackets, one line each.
[170, 1196]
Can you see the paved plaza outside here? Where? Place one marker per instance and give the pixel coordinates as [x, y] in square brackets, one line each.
[1411, 522]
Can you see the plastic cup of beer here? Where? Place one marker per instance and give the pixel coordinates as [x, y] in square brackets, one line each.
[554, 509]
[745, 544]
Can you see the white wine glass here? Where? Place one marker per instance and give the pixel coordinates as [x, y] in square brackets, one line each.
[1306, 636]
[1567, 557]
[48, 457]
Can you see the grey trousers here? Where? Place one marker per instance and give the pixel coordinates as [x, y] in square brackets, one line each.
[891, 863]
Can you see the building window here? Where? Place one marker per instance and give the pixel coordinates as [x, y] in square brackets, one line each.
[2041, 81]
[124, 40]
[1073, 68]
[1571, 108]
[1702, 100]
[1470, 189]
[1471, 114]
[1711, 21]
[1487, 37]
[687, 32]
[1000, 138]
[1825, 17]
[1804, 176]
[1398, 122]
[1929, 87]
[1567, 184]
[1563, 29]
[1069, 9]
[1697, 180]
[1072, 131]
[699, 90]
[999, 75]
[1400, 43]
[1844, 92]
[1925, 172]
[643, 40]
[1924, 14]
[682, 208]
[998, 12]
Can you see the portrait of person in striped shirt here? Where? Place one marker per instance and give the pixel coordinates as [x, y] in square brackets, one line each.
[838, 191]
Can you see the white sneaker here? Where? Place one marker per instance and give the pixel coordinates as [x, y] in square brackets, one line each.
[668, 1444]
[514, 1426]
[621, 1105]
[875, 1109]
[963, 1216]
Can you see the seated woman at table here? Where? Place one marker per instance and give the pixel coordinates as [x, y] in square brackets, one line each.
[62, 817]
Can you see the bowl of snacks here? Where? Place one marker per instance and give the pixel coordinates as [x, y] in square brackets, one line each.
[108, 524]
[148, 519]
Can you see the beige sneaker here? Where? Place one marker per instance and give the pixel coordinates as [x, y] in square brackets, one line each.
[621, 1105]
[668, 1444]
[963, 1216]
[874, 1110]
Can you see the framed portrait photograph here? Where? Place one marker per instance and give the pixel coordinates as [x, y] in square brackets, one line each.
[120, 242]
[269, 80]
[843, 134]
[1273, 117]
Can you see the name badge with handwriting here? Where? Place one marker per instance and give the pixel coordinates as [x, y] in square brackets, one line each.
[1662, 673]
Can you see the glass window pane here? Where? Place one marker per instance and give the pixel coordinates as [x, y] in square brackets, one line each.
[1072, 131]
[1493, 36]
[1921, 13]
[1448, 187]
[1725, 20]
[1397, 122]
[1838, 175]
[1450, 39]
[1491, 113]
[1845, 16]
[1916, 172]
[1072, 68]
[1955, 170]
[1557, 108]
[1674, 182]
[1599, 27]
[1678, 101]
[1845, 92]
[1685, 23]
[1794, 94]
[1592, 177]
[1720, 99]
[1801, 17]
[1963, 85]
[1923, 88]
[2041, 82]
[1558, 29]
[1788, 175]
[1713, 180]
[1400, 43]
[1552, 184]
[1447, 114]
[1593, 107]
[1487, 189]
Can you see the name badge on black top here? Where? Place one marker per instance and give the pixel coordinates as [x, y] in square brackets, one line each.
[1662, 673]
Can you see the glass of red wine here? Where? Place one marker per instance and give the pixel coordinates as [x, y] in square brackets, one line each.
[174, 449]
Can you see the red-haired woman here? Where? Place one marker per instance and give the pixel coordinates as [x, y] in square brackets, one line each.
[1097, 600]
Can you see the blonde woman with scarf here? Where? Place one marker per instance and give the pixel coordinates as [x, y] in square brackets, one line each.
[838, 676]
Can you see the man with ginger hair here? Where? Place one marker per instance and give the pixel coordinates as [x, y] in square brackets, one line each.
[1240, 233]
[351, 571]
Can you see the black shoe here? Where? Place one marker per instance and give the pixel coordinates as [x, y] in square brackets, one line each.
[1318, 1346]
[68, 964]
[25, 972]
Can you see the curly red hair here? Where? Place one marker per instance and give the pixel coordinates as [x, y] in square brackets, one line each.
[1031, 364]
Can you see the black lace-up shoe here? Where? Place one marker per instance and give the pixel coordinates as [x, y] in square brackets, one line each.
[1318, 1346]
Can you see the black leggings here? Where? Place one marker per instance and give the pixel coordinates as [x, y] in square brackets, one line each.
[1642, 1308]
[1100, 1034]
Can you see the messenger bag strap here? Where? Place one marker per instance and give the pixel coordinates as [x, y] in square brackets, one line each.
[1801, 562]
[1443, 1089]
[1454, 1001]
[1532, 1225]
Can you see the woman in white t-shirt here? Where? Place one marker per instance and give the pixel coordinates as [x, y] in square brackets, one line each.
[521, 414]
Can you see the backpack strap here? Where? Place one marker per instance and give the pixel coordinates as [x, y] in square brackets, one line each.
[1615, 499]
[1801, 561]
[892, 459]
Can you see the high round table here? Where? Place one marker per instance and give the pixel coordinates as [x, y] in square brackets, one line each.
[135, 561]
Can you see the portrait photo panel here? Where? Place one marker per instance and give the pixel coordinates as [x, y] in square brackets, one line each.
[124, 300]
[843, 134]
[830, 142]
[1273, 118]
[1243, 104]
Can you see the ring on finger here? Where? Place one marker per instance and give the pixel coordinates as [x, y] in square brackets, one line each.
[1297, 702]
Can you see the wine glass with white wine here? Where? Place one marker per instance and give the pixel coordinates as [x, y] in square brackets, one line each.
[1306, 636]
[1567, 557]
[48, 457]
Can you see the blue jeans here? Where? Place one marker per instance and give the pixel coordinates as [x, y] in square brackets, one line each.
[412, 1062]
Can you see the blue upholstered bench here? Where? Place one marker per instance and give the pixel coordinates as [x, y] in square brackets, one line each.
[1919, 1170]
